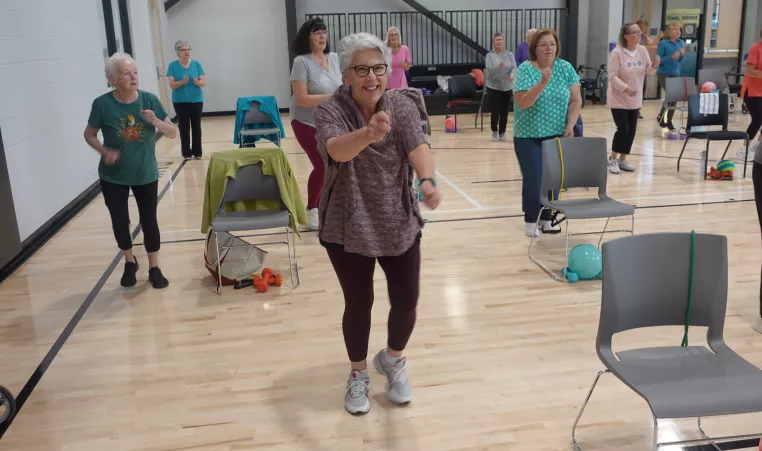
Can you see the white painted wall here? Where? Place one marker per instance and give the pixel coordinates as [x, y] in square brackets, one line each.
[242, 45]
[51, 69]
[142, 45]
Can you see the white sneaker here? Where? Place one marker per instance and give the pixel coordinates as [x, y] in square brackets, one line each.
[502, 138]
[397, 387]
[614, 166]
[356, 400]
[531, 229]
[625, 166]
[758, 325]
[494, 137]
[313, 219]
[548, 227]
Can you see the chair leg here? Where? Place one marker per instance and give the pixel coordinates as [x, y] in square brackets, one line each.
[706, 437]
[536, 262]
[581, 410]
[726, 150]
[681, 152]
[600, 240]
[656, 434]
[745, 157]
[293, 265]
[219, 265]
[632, 226]
[566, 250]
[706, 160]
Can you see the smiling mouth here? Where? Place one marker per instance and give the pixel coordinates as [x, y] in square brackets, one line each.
[370, 88]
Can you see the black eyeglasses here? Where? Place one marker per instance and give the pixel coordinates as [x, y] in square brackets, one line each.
[364, 71]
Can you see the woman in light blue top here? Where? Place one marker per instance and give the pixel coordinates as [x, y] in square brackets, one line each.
[186, 78]
[671, 50]
[547, 106]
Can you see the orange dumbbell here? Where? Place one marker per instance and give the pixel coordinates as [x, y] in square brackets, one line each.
[268, 278]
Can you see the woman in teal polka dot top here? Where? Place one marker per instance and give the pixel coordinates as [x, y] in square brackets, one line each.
[547, 106]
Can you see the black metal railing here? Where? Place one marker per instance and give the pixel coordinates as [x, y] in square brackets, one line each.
[430, 44]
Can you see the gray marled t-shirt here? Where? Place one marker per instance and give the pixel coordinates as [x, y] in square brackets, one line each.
[368, 204]
[318, 81]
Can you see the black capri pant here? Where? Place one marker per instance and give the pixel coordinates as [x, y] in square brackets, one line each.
[146, 196]
[626, 125]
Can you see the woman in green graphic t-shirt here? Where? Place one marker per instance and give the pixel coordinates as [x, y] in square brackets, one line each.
[128, 118]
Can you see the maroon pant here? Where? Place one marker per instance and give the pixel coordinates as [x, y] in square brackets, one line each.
[355, 273]
[306, 135]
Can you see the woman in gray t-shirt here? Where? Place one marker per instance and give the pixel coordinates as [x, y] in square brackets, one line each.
[500, 70]
[315, 75]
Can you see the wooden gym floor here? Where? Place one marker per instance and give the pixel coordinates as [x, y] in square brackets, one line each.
[501, 358]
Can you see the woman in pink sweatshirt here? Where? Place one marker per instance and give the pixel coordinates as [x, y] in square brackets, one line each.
[629, 64]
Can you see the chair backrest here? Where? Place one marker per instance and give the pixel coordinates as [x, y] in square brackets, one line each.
[461, 87]
[251, 184]
[695, 118]
[645, 283]
[255, 116]
[716, 76]
[584, 164]
[678, 89]
[416, 96]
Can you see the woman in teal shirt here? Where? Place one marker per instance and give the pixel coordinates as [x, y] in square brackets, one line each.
[186, 78]
[128, 119]
[671, 50]
[547, 106]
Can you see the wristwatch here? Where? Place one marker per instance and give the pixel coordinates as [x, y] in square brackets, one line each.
[429, 179]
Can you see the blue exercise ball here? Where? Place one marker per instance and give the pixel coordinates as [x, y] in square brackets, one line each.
[586, 261]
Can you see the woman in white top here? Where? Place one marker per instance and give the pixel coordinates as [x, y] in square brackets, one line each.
[315, 75]
[500, 70]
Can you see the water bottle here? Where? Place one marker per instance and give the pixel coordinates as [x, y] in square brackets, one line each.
[702, 168]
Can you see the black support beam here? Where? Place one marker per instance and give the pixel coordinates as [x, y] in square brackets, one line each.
[447, 27]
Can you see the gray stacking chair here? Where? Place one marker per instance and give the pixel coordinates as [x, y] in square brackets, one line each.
[645, 284]
[678, 89]
[251, 184]
[265, 124]
[584, 166]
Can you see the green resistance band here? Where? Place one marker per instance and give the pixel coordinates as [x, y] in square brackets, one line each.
[690, 289]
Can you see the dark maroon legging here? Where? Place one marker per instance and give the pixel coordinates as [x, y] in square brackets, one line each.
[306, 135]
[355, 274]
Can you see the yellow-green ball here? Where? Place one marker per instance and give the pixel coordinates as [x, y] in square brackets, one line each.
[726, 166]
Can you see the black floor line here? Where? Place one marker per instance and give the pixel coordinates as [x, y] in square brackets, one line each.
[195, 240]
[31, 384]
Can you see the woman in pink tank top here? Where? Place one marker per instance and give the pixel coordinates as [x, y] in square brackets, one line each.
[401, 59]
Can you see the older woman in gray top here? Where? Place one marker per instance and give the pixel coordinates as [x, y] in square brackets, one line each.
[500, 70]
[373, 141]
[315, 75]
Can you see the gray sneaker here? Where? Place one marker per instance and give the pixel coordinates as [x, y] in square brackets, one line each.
[356, 400]
[494, 137]
[613, 166]
[397, 387]
[626, 166]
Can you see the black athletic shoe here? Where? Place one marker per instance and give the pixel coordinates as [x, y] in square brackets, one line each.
[670, 126]
[130, 269]
[157, 279]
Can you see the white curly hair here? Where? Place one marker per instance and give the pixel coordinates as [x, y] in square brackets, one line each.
[351, 44]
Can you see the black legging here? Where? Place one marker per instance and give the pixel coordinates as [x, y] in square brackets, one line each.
[670, 113]
[189, 117]
[756, 176]
[146, 196]
[626, 124]
[500, 101]
[754, 105]
[355, 273]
